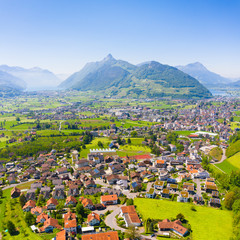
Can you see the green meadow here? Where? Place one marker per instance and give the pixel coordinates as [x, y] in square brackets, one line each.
[207, 223]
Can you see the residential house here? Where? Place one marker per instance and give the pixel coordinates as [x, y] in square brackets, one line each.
[29, 205]
[130, 216]
[42, 218]
[176, 227]
[151, 193]
[109, 199]
[183, 197]
[52, 204]
[15, 192]
[70, 226]
[93, 219]
[70, 201]
[165, 193]
[101, 236]
[159, 185]
[87, 203]
[49, 225]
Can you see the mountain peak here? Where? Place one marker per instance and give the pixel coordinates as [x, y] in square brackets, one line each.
[108, 57]
[197, 65]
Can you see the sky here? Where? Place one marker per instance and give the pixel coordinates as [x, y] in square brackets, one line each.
[63, 35]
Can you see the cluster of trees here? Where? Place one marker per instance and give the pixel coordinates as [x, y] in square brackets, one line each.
[46, 144]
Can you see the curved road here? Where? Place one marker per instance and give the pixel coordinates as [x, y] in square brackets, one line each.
[17, 184]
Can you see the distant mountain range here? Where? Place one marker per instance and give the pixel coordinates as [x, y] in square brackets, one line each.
[204, 76]
[33, 78]
[120, 78]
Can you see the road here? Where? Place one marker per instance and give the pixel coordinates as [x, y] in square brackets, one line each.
[111, 220]
[198, 191]
[60, 125]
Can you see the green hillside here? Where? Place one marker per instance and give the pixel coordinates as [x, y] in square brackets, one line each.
[119, 78]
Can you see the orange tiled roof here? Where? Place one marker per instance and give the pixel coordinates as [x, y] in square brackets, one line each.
[53, 201]
[107, 198]
[101, 236]
[70, 223]
[92, 216]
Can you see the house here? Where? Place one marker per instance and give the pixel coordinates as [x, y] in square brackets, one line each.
[109, 199]
[11, 179]
[73, 190]
[160, 164]
[42, 218]
[62, 170]
[101, 236]
[69, 215]
[183, 197]
[136, 186]
[198, 199]
[29, 205]
[215, 202]
[52, 204]
[176, 227]
[93, 219]
[166, 193]
[70, 226]
[37, 210]
[173, 187]
[215, 194]
[172, 147]
[87, 203]
[49, 225]
[89, 184]
[151, 193]
[31, 195]
[130, 216]
[112, 179]
[71, 201]
[159, 185]
[82, 163]
[61, 235]
[15, 192]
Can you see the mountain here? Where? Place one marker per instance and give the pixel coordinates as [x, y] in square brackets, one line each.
[8, 81]
[120, 78]
[203, 75]
[35, 78]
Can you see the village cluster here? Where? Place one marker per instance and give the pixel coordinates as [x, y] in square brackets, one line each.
[110, 178]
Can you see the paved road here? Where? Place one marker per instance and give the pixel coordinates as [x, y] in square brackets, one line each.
[197, 181]
[17, 184]
[111, 220]
[224, 157]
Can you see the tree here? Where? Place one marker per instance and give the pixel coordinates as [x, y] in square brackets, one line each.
[30, 219]
[132, 233]
[41, 201]
[134, 134]
[119, 140]
[236, 206]
[129, 202]
[100, 144]
[80, 210]
[22, 200]
[11, 227]
[129, 141]
[18, 119]
[229, 200]
[180, 216]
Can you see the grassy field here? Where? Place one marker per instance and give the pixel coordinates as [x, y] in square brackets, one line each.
[216, 153]
[206, 223]
[230, 164]
[10, 209]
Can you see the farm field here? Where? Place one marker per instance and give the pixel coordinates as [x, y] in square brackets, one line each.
[204, 221]
[230, 164]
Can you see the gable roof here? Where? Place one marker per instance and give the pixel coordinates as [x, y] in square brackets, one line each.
[106, 198]
[92, 216]
[101, 236]
[52, 201]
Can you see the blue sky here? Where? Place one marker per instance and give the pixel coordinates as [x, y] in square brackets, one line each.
[64, 35]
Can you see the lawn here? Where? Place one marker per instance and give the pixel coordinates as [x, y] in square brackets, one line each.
[206, 223]
[230, 164]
